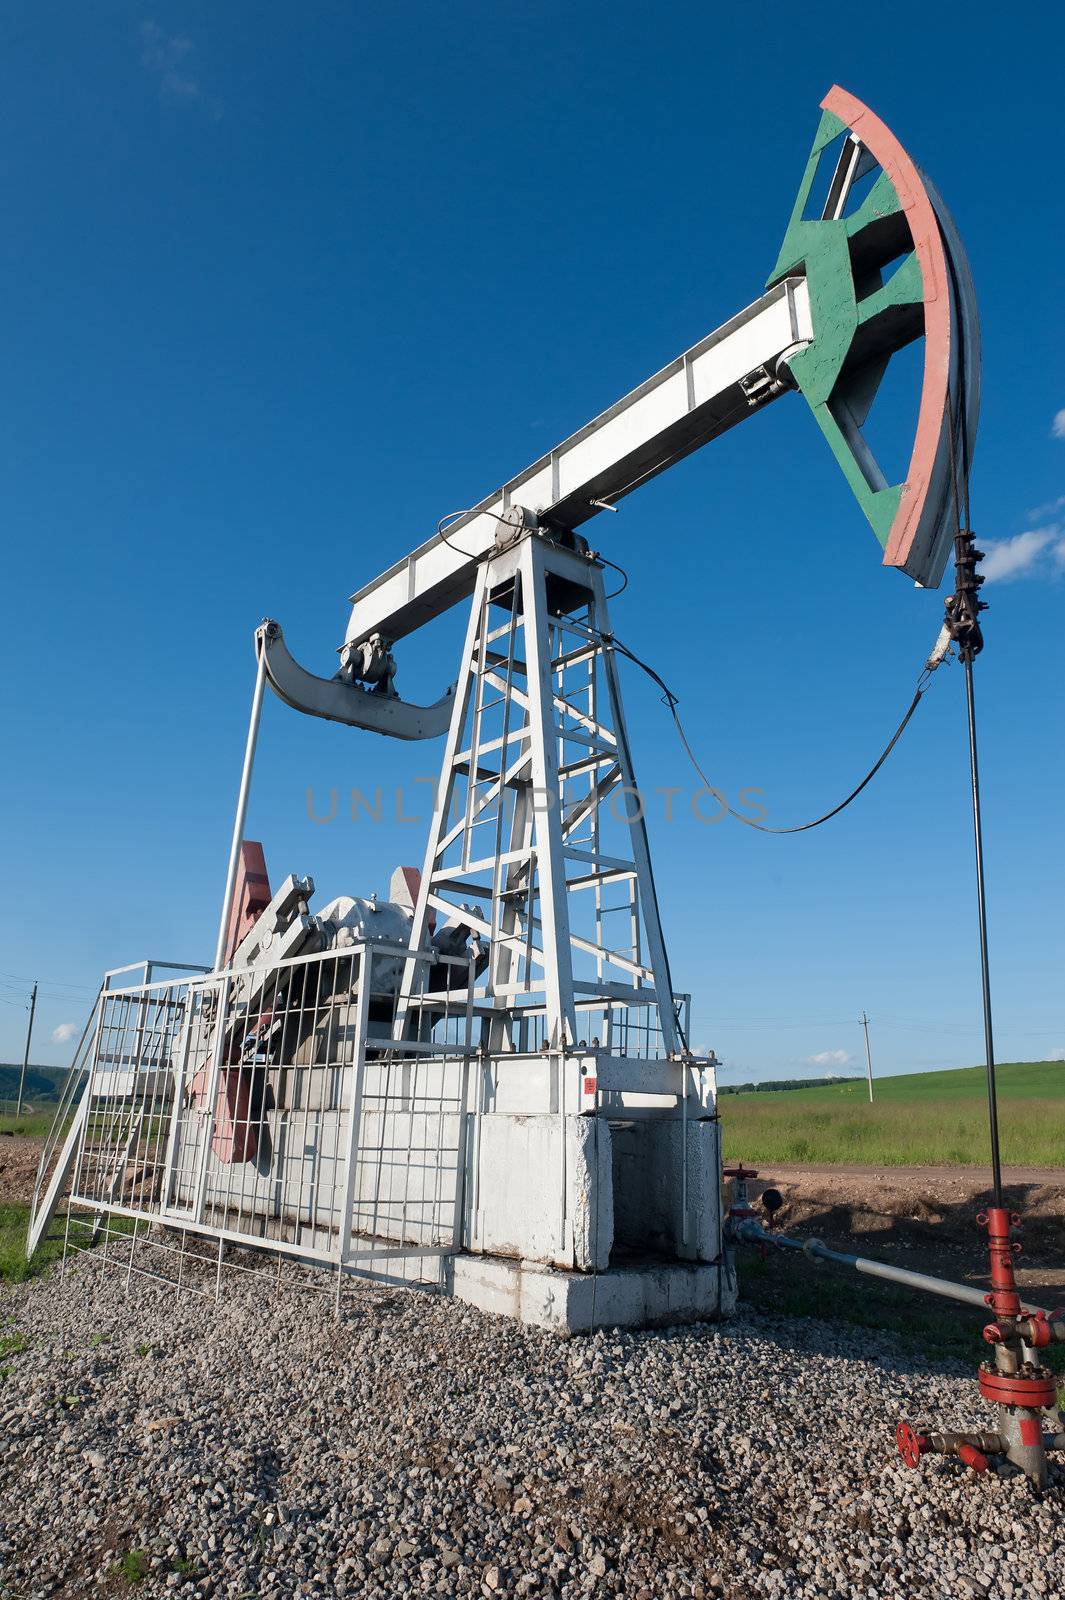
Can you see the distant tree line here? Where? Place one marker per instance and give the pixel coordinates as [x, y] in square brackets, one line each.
[772, 1085]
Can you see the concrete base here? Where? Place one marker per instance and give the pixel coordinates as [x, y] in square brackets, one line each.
[653, 1295]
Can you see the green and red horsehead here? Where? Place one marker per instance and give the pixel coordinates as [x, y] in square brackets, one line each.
[863, 313]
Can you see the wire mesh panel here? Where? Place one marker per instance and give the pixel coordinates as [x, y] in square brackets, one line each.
[272, 1106]
[616, 1026]
[130, 1097]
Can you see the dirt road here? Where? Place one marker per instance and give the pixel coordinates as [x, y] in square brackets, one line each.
[925, 1217]
[978, 1179]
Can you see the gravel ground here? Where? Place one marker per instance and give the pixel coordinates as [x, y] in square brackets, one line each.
[262, 1449]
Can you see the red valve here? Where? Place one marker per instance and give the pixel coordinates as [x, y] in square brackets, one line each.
[1040, 1331]
[973, 1458]
[911, 1445]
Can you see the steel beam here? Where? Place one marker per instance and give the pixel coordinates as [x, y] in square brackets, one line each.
[700, 395]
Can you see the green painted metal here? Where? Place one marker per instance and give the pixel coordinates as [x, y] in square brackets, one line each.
[856, 325]
[830, 127]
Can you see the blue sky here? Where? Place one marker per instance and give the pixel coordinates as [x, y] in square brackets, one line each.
[283, 284]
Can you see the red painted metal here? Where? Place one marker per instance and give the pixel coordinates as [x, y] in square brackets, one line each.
[1033, 1392]
[251, 895]
[911, 1446]
[411, 880]
[1039, 1333]
[236, 1135]
[1003, 1299]
[1024, 1391]
[236, 1132]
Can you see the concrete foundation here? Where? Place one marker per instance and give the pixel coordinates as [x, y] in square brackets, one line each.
[570, 1191]
[641, 1296]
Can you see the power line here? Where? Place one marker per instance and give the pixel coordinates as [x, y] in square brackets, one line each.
[18, 977]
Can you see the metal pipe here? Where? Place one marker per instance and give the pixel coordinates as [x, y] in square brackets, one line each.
[753, 1232]
[242, 807]
[981, 901]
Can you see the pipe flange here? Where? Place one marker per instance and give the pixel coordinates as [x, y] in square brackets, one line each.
[1034, 1389]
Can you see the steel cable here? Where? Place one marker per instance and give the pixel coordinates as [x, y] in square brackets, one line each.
[671, 701]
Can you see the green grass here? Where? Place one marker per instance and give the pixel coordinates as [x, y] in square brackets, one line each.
[14, 1222]
[921, 1119]
[34, 1124]
[133, 1567]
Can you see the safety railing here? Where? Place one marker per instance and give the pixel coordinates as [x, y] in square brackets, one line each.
[62, 1127]
[272, 1107]
[619, 1027]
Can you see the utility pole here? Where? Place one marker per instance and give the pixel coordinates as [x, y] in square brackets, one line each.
[868, 1056]
[26, 1056]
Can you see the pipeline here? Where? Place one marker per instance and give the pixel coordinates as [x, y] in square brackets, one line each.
[752, 1232]
[1022, 1391]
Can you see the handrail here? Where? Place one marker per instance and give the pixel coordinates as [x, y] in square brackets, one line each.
[74, 1079]
[67, 1096]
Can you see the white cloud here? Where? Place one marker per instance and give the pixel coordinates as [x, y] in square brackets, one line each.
[65, 1031]
[165, 56]
[1019, 557]
[1057, 427]
[1052, 507]
[830, 1058]
[1056, 1055]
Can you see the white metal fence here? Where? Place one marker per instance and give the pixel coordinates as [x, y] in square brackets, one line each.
[271, 1107]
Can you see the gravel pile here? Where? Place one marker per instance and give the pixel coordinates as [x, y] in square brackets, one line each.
[154, 1444]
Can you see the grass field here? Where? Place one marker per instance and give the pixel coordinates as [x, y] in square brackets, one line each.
[14, 1221]
[33, 1123]
[921, 1119]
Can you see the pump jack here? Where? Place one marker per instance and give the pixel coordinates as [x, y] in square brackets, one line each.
[517, 868]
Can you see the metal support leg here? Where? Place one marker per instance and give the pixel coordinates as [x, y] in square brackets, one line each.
[242, 808]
